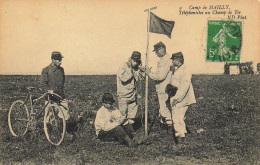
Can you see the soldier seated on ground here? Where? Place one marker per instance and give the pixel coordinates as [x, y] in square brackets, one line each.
[110, 125]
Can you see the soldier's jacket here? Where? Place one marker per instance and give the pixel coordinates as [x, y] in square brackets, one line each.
[126, 82]
[185, 93]
[163, 74]
[53, 78]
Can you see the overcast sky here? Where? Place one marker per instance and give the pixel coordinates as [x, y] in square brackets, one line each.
[96, 37]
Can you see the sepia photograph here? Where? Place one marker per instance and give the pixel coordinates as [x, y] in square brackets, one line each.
[130, 82]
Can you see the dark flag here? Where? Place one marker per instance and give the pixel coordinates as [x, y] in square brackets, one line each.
[160, 26]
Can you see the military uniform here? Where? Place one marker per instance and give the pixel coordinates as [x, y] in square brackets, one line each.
[53, 78]
[127, 76]
[184, 97]
[127, 79]
[162, 78]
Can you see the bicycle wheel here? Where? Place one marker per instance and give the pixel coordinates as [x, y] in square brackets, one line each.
[54, 124]
[18, 118]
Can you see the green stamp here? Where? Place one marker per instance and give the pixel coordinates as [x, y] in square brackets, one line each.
[224, 41]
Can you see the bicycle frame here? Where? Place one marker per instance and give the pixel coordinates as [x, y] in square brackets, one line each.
[32, 101]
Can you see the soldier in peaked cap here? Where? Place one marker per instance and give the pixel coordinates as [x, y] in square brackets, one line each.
[127, 76]
[184, 96]
[178, 56]
[162, 77]
[56, 56]
[158, 46]
[53, 79]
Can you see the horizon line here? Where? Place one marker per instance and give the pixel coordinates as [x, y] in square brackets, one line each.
[17, 74]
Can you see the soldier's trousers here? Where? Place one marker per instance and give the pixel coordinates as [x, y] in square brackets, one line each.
[178, 116]
[119, 133]
[164, 111]
[128, 109]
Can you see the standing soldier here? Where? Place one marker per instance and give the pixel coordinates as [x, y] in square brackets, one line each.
[184, 96]
[162, 77]
[53, 79]
[127, 77]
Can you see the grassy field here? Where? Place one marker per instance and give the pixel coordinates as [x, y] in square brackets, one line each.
[224, 124]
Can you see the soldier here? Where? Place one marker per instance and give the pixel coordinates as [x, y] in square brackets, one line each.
[127, 77]
[184, 96]
[162, 77]
[52, 80]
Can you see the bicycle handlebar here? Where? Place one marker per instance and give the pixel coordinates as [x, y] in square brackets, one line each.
[48, 94]
[43, 95]
[55, 94]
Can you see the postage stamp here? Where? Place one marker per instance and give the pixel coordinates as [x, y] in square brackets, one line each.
[224, 41]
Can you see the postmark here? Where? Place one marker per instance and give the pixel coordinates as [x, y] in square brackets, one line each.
[224, 40]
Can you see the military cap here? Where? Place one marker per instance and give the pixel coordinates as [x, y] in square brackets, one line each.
[56, 55]
[158, 45]
[136, 55]
[108, 98]
[178, 55]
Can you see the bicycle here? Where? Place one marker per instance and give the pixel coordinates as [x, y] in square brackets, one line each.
[20, 119]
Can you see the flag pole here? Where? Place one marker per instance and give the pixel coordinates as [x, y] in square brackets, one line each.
[147, 67]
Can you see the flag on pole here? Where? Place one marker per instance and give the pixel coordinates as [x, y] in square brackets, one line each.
[160, 26]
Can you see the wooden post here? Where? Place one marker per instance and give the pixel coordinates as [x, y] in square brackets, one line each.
[147, 67]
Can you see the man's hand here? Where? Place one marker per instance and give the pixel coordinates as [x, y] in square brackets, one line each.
[146, 70]
[124, 122]
[141, 68]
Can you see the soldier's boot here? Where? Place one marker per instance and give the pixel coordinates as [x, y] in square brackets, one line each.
[140, 139]
[188, 130]
[169, 125]
[129, 142]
